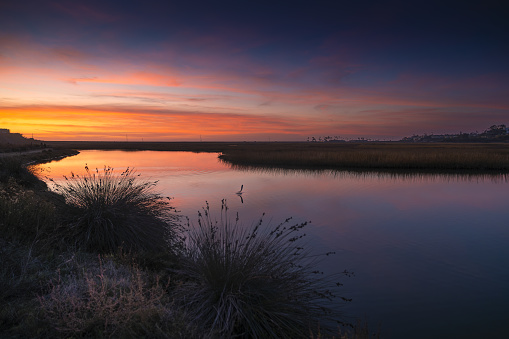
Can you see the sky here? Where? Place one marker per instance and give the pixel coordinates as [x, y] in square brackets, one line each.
[251, 70]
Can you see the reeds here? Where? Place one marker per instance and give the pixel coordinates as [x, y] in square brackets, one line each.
[480, 157]
[104, 210]
[255, 282]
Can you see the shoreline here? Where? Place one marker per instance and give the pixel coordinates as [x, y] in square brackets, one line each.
[49, 279]
[34, 157]
[416, 157]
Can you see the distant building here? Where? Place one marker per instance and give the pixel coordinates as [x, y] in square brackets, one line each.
[4, 130]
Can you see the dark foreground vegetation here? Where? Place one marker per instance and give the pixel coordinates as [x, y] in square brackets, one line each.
[107, 256]
[481, 157]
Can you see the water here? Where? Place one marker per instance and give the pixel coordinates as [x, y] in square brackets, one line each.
[430, 253]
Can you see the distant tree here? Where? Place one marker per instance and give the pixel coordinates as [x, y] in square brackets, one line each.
[495, 130]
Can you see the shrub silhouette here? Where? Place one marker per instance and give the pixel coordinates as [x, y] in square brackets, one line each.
[251, 282]
[104, 211]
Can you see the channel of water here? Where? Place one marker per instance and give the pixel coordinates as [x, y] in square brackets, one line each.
[430, 253]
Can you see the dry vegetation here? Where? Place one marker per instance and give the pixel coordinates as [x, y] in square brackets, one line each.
[256, 281]
[482, 157]
[104, 210]
[53, 287]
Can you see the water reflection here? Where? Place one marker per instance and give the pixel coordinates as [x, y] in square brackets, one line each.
[473, 176]
[427, 248]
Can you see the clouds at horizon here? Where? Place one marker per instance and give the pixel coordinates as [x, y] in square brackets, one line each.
[283, 71]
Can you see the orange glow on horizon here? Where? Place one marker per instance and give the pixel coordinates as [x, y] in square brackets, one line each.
[69, 123]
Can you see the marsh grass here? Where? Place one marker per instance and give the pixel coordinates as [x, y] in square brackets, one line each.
[421, 175]
[256, 282]
[104, 210]
[480, 157]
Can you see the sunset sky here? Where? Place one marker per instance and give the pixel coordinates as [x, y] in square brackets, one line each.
[251, 70]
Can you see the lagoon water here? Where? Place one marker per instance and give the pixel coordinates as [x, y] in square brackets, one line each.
[430, 253]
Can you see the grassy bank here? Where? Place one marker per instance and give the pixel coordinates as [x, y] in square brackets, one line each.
[358, 156]
[215, 147]
[30, 156]
[432, 157]
[81, 264]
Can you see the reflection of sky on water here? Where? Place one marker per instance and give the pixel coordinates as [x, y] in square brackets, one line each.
[430, 252]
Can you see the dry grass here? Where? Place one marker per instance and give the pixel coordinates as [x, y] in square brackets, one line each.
[255, 282]
[480, 157]
[105, 210]
[105, 301]
[73, 294]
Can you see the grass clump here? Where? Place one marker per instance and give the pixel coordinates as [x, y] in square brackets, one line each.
[252, 282]
[104, 210]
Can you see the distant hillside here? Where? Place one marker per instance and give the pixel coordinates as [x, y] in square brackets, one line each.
[11, 140]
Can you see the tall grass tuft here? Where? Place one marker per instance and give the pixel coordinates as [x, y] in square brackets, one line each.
[253, 282]
[104, 211]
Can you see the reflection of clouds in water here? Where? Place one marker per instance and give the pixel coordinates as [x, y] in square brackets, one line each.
[149, 163]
